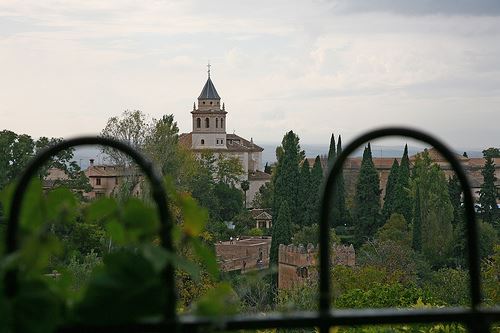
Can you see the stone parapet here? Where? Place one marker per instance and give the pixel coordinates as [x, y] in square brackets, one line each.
[297, 264]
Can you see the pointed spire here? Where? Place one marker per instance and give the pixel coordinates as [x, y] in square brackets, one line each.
[194, 106]
[223, 107]
[208, 71]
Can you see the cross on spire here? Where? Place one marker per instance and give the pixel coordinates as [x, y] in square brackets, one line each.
[208, 66]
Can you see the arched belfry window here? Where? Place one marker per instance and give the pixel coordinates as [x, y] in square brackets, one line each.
[198, 122]
[221, 122]
[216, 122]
[207, 123]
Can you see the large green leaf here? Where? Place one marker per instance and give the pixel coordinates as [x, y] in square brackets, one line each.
[126, 287]
[61, 206]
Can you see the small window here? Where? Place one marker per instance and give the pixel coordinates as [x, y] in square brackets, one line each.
[198, 122]
[211, 103]
[202, 141]
[98, 181]
[207, 123]
[221, 141]
[217, 141]
[203, 102]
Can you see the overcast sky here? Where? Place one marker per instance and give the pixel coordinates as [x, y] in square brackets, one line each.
[311, 66]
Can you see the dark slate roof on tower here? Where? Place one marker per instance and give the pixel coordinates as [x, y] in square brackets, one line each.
[209, 91]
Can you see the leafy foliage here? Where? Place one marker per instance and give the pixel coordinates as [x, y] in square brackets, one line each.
[488, 194]
[88, 281]
[436, 210]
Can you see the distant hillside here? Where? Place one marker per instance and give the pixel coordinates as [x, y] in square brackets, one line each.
[269, 153]
[84, 154]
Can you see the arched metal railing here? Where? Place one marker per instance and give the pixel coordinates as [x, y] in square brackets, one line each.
[476, 318]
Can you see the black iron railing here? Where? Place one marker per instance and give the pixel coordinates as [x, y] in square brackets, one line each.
[475, 317]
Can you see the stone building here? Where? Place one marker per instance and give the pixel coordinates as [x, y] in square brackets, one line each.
[472, 168]
[209, 132]
[263, 218]
[297, 264]
[243, 255]
[106, 179]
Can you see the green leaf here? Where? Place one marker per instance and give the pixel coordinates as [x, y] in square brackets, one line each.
[140, 220]
[219, 301]
[195, 217]
[36, 252]
[156, 255]
[36, 308]
[186, 265]
[207, 257]
[61, 205]
[116, 231]
[101, 209]
[127, 287]
[32, 209]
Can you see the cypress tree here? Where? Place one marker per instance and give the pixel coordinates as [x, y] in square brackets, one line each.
[332, 154]
[488, 193]
[267, 169]
[304, 193]
[458, 222]
[403, 202]
[455, 192]
[281, 234]
[390, 195]
[339, 214]
[417, 223]
[314, 194]
[286, 185]
[366, 199]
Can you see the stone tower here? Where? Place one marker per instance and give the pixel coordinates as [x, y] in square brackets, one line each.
[209, 119]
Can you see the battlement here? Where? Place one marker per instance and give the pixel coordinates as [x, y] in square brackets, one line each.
[296, 264]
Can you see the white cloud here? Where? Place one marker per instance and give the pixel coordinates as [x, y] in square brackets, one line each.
[67, 67]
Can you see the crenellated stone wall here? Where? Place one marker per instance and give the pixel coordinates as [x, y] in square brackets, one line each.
[297, 264]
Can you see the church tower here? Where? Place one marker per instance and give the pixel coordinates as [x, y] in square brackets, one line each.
[209, 119]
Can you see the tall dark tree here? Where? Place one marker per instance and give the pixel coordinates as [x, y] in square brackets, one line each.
[267, 169]
[315, 194]
[417, 223]
[332, 154]
[281, 234]
[455, 192]
[287, 174]
[390, 191]
[403, 203]
[366, 200]
[488, 194]
[304, 193]
[338, 214]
